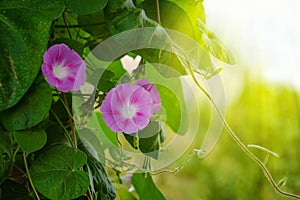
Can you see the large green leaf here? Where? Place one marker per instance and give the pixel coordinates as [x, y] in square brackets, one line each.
[6, 155]
[30, 110]
[55, 173]
[82, 7]
[145, 187]
[24, 33]
[31, 140]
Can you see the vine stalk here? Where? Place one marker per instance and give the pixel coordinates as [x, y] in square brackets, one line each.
[70, 117]
[158, 11]
[240, 143]
[29, 176]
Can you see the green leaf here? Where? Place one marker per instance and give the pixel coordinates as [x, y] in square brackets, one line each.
[149, 139]
[133, 140]
[31, 110]
[173, 110]
[125, 194]
[106, 130]
[214, 45]
[170, 90]
[55, 173]
[93, 23]
[13, 190]
[107, 81]
[176, 14]
[24, 28]
[145, 187]
[122, 16]
[6, 154]
[82, 7]
[31, 140]
[55, 135]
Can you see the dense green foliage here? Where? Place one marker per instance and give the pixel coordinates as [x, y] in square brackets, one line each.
[41, 153]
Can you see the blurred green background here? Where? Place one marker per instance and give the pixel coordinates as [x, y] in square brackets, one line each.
[262, 113]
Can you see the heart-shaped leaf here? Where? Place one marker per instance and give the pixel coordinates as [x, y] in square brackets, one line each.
[31, 140]
[25, 28]
[30, 110]
[55, 173]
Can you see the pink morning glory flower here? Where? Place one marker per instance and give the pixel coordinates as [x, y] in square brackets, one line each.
[154, 93]
[64, 68]
[127, 108]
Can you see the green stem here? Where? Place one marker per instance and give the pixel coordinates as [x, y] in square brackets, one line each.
[158, 11]
[70, 120]
[29, 177]
[61, 124]
[16, 151]
[241, 144]
[66, 24]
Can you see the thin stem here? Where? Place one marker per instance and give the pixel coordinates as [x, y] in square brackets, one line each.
[16, 151]
[241, 144]
[70, 120]
[158, 11]
[61, 124]
[67, 26]
[29, 177]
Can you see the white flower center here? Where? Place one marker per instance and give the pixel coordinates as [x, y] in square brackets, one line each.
[59, 70]
[128, 111]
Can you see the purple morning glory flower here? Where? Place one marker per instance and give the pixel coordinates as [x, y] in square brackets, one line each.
[127, 108]
[63, 68]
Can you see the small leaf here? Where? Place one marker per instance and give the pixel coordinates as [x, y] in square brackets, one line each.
[107, 81]
[145, 187]
[133, 140]
[282, 182]
[6, 154]
[30, 110]
[82, 7]
[55, 173]
[214, 45]
[149, 139]
[31, 140]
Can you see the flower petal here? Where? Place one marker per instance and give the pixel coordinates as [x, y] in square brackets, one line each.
[107, 114]
[154, 93]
